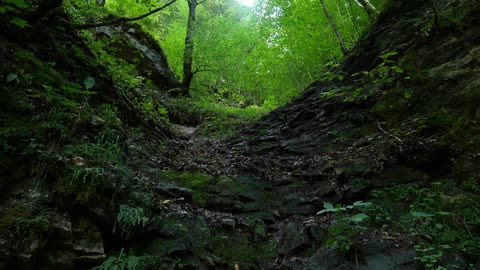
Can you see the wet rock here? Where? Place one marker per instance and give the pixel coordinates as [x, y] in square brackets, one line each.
[229, 222]
[328, 259]
[454, 259]
[60, 259]
[404, 260]
[292, 237]
[88, 241]
[172, 190]
[137, 47]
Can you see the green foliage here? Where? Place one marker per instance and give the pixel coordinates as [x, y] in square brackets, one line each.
[122, 262]
[368, 83]
[437, 215]
[23, 221]
[10, 6]
[89, 165]
[198, 182]
[264, 55]
[216, 118]
[348, 223]
[129, 218]
[430, 256]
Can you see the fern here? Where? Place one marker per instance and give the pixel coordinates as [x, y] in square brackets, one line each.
[122, 262]
[130, 217]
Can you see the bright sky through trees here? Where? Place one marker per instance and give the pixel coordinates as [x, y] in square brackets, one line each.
[248, 3]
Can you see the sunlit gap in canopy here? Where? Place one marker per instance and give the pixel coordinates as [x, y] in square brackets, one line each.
[247, 3]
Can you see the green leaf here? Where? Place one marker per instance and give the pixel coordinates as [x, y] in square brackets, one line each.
[387, 55]
[359, 217]
[328, 205]
[407, 94]
[421, 215]
[19, 22]
[362, 204]
[398, 69]
[330, 242]
[89, 83]
[11, 77]
[18, 3]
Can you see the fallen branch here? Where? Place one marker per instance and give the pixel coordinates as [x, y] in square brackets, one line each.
[122, 19]
[388, 134]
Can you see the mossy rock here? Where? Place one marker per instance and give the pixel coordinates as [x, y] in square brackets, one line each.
[197, 182]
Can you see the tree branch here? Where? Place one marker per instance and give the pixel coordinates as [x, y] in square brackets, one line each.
[123, 19]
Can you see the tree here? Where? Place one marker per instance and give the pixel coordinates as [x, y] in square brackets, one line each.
[124, 19]
[189, 43]
[334, 27]
[369, 8]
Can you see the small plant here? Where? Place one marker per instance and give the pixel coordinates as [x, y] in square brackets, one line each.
[386, 73]
[342, 234]
[122, 262]
[440, 212]
[12, 5]
[129, 218]
[430, 256]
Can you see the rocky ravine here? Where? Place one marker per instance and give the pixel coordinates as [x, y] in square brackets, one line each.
[253, 200]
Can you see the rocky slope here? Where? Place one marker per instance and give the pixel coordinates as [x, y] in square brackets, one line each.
[92, 174]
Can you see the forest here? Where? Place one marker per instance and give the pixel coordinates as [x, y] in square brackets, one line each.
[239, 134]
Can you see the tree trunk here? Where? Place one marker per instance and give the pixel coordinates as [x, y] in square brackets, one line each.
[335, 28]
[188, 54]
[370, 9]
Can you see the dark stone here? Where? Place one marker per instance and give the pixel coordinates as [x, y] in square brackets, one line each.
[138, 47]
[174, 191]
[328, 259]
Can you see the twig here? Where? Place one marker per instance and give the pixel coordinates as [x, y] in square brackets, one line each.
[388, 134]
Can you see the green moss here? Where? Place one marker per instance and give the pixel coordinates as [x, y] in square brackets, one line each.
[454, 17]
[441, 120]
[11, 217]
[198, 182]
[40, 71]
[239, 248]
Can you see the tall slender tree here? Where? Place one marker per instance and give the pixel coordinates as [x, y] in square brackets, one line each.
[189, 43]
[343, 47]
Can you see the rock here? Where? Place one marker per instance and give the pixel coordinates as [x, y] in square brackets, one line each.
[229, 222]
[186, 131]
[172, 190]
[96, 121]
[88, 241]
[406, 258]
[380, 262]
[61, 225]
[292, 237]
[60, 259]
[328, 259]
[454, 259]
[137, 47]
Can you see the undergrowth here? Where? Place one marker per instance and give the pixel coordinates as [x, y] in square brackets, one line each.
[214, 119]
[438, 216]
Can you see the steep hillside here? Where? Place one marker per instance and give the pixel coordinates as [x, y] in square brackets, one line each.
[375, 166]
